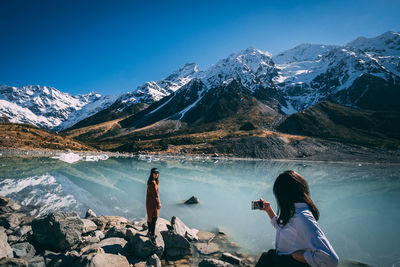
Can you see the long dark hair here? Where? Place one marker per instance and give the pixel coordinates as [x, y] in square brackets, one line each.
[289, 188]
[151, 178]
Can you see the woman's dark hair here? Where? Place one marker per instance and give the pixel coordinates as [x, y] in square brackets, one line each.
[289, 188]
[153, 170]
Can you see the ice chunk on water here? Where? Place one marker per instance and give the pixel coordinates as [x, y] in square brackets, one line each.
[68, 157]
[95, 157]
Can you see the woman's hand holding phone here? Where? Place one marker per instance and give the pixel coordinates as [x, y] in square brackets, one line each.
[267, 208]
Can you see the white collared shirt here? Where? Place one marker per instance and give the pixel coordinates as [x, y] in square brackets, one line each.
[303, 233]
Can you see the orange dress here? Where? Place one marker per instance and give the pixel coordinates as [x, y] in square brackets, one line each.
[152, 201]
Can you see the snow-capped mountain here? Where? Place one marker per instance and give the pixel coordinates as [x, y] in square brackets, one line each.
[364, 73]
[251, 67]
[385, 49]
[155, 90]
[310, 73]
[47, 107]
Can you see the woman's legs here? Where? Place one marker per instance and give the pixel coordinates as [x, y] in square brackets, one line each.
[152, 226]
[271, 259]
[267, 259]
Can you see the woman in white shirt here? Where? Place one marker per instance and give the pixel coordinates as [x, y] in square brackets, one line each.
[299, 240]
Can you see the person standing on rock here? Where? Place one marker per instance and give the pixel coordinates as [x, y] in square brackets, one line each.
[153, 203]
[299, 240]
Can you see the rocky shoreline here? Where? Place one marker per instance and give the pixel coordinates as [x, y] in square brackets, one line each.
[65, 239]
[354, 155]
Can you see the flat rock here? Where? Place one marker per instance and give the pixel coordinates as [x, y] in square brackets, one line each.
[103, 260]
[88, 226]
[23, 250]
[5, 249]
[112, 245]
[13, 262]
[214, 263]
[107, 222]
[205, 236]
[59, 231]
[207, 248]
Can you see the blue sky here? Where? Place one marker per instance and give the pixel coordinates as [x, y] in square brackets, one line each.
[113, 46]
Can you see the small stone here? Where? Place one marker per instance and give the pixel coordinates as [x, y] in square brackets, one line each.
[192, 200]
[207, 248]
[205, 236]
[213, 263]
[103, 259]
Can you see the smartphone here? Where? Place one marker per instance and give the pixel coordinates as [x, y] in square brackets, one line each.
[257, 205]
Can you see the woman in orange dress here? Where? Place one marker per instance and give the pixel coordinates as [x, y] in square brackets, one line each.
[153, 203]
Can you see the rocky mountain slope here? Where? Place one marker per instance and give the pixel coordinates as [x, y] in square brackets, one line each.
[24, 136]
[250, 86]
[339, 123]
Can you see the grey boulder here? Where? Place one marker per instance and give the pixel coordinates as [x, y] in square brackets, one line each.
[23, 250]
[143, 247]
[181, 229]
[175, 245]
[59, 231]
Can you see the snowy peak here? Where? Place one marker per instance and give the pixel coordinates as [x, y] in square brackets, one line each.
[250, 66]
[384, 44]
[187, 70]
[303, 52]
[153, 91]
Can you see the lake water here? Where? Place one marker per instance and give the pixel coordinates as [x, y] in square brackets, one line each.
[359, 203]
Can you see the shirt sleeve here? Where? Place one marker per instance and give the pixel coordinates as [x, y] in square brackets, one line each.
[321, 253]
[274, 221]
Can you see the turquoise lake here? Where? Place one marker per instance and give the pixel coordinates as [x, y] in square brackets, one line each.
[359, 203]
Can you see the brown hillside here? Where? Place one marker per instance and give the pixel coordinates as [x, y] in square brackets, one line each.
[23, 136]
